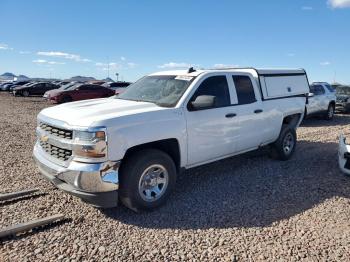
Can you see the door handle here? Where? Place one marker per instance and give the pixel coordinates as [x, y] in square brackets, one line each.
[230, 115]
[257, 111]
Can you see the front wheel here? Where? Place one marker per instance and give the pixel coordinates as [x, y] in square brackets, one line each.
[26, 93]
[66, 99]
[147, 178]
[330, 112]
[284, 146]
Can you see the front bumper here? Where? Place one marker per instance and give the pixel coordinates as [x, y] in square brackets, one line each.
[344, 155]
[96, 183]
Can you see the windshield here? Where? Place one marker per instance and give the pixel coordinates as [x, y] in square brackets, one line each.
[73, 87]
[330, 88]
[66, 86]
[161, 90]
[343, 90]
[29, 84]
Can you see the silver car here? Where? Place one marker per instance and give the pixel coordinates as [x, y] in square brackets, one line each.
[321, 100]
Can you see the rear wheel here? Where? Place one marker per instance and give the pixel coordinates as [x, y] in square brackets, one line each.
[284, 146]
[330, 112]
[26, 93]
[147, 178]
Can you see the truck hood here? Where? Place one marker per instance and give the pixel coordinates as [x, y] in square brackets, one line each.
[86, 113]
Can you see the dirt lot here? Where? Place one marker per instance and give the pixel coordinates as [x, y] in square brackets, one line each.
[246, 208]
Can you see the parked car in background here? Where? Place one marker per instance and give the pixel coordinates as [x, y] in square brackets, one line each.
[343, 98]
[96, 82]
[344, 155]
[134, 145]
[48, 94]
[7, 86]
[118, 87]
[79, 92]
[38, 88]
[321, 100]
[61, 83]
[17, 84]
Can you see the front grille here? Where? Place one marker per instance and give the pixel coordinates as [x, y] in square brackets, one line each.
[55, 131]
[56, 152]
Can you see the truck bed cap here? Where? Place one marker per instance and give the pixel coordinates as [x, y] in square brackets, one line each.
[260, 71]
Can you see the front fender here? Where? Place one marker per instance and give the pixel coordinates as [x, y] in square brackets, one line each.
[133, 130]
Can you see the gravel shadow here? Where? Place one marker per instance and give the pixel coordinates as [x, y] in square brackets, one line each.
[250, 190]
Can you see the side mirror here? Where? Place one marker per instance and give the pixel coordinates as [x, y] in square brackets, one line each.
[203, 102]
[310, 94]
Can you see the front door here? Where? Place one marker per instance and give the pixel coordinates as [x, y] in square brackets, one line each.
[211, 131]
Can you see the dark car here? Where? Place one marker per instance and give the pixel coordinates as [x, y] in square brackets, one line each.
[79, 92]
[343, 98]
[61, 83]
[34, 89]
[6, 86]
[11, 85]
[118, 87]
[16, 84]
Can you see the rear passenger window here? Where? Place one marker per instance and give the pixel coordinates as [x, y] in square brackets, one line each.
[214, 86]
[244, 89]
[330, 88]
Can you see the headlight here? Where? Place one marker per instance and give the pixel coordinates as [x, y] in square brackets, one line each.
[90, 144]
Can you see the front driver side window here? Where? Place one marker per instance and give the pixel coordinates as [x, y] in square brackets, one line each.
[214, 86]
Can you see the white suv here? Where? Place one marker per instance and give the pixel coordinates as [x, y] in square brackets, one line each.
[321, 100]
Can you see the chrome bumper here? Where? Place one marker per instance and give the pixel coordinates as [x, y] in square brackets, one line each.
[95, 183]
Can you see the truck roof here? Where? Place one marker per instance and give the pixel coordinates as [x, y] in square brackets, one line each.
[260, 71]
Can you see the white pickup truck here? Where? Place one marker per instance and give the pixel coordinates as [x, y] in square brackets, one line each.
[131, 147]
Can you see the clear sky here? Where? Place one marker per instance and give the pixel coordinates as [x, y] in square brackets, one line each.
[63, 38]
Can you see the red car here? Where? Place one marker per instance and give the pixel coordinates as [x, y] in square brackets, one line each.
[79, 92]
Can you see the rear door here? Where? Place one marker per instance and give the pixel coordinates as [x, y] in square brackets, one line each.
[84, 92]
[324, 98]
[254, 120]
[47, 87]
[37, 89]
[95, 91]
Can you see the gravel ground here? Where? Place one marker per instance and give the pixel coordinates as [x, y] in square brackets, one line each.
[246, 208]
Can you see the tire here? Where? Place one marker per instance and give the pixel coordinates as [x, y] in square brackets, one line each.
[138, 189]
[330, 112]
[66, 99]
[284, 147]
[25, 93]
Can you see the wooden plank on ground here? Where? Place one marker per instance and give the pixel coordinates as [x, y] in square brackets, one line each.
[23, 227]
[12, 195]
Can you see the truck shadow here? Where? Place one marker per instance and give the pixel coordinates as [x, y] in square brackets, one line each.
[338, 120]
[250, 190]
